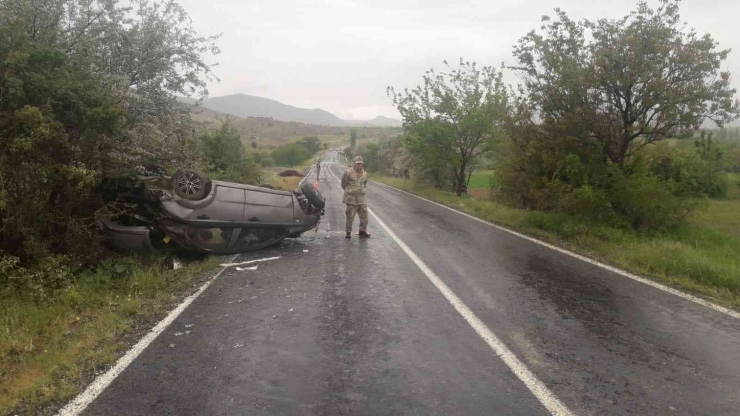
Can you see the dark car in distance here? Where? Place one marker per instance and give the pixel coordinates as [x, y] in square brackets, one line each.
[153, 212]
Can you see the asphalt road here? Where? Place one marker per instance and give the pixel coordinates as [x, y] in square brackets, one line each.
[355, 326]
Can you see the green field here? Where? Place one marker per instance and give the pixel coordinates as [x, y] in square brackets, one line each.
[481, 179]
[733, 179]
[701, 256]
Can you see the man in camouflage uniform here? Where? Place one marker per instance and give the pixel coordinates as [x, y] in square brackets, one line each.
[354, 183]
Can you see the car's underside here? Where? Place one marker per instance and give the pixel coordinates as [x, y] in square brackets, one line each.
[157, 213]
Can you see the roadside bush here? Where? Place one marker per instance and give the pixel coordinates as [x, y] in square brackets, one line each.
[588, 201]
[647, 202]
[311, 143]
[693, 175]
[290, 154]
[40, 281]
[542, 176]
[226, 158]
[267, 161]
[247, 172]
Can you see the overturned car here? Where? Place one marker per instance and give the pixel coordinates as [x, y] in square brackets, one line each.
[154, 212]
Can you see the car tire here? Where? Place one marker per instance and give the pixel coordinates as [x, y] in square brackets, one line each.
[191, 185]
[313, 195]
[267, 186]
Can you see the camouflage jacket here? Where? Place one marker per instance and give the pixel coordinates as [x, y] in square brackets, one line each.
[355, 186]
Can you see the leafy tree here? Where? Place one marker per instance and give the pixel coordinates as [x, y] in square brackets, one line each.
[290, 154]
[223, 148]
[707, 149]
[311, 143]
[620, 84]
[225, 156]
[352, 137]
[454, 117]
[595, 97]
[87, 90]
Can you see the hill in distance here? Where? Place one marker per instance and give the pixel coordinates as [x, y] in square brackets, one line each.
[271, 132]
[246, 106]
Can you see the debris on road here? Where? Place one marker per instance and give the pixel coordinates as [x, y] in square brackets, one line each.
[177, 334]
[248, 262]
[242, 269]
[238, 345]
[171, 263]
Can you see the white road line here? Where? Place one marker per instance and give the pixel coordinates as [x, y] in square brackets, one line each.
[80, 403]
[249, 262]
[684, 295]
[540, 391]
[307, 175]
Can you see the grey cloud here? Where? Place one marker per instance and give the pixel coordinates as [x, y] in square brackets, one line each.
[340, 55]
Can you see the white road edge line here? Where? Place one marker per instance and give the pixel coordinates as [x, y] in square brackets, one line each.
[540, 391]
[307, 175]
[80, 403]
[684, 295]
[249, 262]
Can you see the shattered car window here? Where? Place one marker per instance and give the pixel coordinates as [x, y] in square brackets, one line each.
[209, 239]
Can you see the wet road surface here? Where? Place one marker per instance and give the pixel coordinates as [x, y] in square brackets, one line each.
[354, 326]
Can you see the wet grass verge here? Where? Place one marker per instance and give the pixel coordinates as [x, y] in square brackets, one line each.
[50, 350]
[701, 256]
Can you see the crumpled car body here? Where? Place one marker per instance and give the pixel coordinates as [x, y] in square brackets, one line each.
[148, 215]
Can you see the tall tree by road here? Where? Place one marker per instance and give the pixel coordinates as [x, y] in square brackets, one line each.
[454, 117]
[620, 84]
[352, 137]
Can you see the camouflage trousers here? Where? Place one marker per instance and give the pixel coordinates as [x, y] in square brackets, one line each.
[360, 210]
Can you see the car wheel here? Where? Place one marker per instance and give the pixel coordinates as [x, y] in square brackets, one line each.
[191, 185]
[267, 185]
[313, 195]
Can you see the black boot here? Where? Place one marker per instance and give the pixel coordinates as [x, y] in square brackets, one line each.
[348, 235]
[364, 234]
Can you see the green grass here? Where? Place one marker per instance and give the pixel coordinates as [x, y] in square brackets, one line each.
[733, 180]
[701, 256]
[481, 179]
[48, 351]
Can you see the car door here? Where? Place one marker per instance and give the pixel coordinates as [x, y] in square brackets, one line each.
[267, 206]
[227, 207]
[213, 226]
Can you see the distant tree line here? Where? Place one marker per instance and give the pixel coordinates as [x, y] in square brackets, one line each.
[291, 154]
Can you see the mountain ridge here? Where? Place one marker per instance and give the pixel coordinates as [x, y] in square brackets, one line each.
[250, 106]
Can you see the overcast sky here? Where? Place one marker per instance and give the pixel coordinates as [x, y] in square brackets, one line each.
[340, 55]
